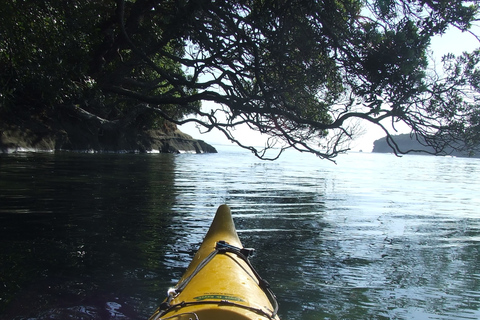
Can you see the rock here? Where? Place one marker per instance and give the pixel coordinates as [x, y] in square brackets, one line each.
[16, 139]
[178, 142]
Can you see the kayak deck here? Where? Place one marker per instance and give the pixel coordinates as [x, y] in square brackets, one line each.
[220, 282]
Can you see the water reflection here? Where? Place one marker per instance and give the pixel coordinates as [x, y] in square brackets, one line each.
[104, 236]
[80, 231]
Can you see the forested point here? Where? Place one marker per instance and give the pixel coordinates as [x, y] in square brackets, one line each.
[117, 75]
[411, 145]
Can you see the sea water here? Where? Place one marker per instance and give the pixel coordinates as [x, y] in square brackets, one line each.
[374, 236]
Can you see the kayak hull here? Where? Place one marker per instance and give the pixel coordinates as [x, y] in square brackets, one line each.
[219, 283]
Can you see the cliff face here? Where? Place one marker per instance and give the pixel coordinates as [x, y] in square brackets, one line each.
[406, 143]
[15, 139]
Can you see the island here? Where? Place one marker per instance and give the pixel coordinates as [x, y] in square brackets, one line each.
[406, 142]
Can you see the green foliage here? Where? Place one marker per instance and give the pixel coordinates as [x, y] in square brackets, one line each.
[54, 52]
[300, 71]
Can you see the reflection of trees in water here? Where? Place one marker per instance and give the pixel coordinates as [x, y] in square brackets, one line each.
[91, 225]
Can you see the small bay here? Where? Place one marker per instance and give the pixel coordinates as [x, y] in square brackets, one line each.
[103, 236]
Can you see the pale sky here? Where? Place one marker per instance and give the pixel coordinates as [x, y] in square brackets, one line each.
[453, 41]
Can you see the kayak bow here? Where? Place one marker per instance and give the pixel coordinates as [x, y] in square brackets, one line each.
[220, 283]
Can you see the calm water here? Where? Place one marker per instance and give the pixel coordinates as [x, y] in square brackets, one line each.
[86, 236]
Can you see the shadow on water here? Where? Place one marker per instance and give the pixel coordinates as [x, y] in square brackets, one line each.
[83, 236]
[104, 236]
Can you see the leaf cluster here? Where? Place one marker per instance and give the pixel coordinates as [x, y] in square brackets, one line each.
[303, 72]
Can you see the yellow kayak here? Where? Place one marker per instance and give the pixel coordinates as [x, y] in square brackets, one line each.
[220, 283]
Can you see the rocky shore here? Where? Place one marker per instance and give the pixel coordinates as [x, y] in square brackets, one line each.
[16, 139]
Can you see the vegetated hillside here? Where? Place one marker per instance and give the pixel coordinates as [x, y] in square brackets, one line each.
[406, 142]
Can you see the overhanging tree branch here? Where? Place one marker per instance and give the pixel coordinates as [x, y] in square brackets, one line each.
[302, 72]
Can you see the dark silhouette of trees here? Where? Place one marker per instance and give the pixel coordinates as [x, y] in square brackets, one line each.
[303, 72]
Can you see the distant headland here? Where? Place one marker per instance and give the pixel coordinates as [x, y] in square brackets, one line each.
[406, 142]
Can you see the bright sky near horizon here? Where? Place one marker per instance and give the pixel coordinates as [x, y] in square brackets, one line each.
[453, 41]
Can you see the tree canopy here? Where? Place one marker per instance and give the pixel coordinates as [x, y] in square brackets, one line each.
[304, 72]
